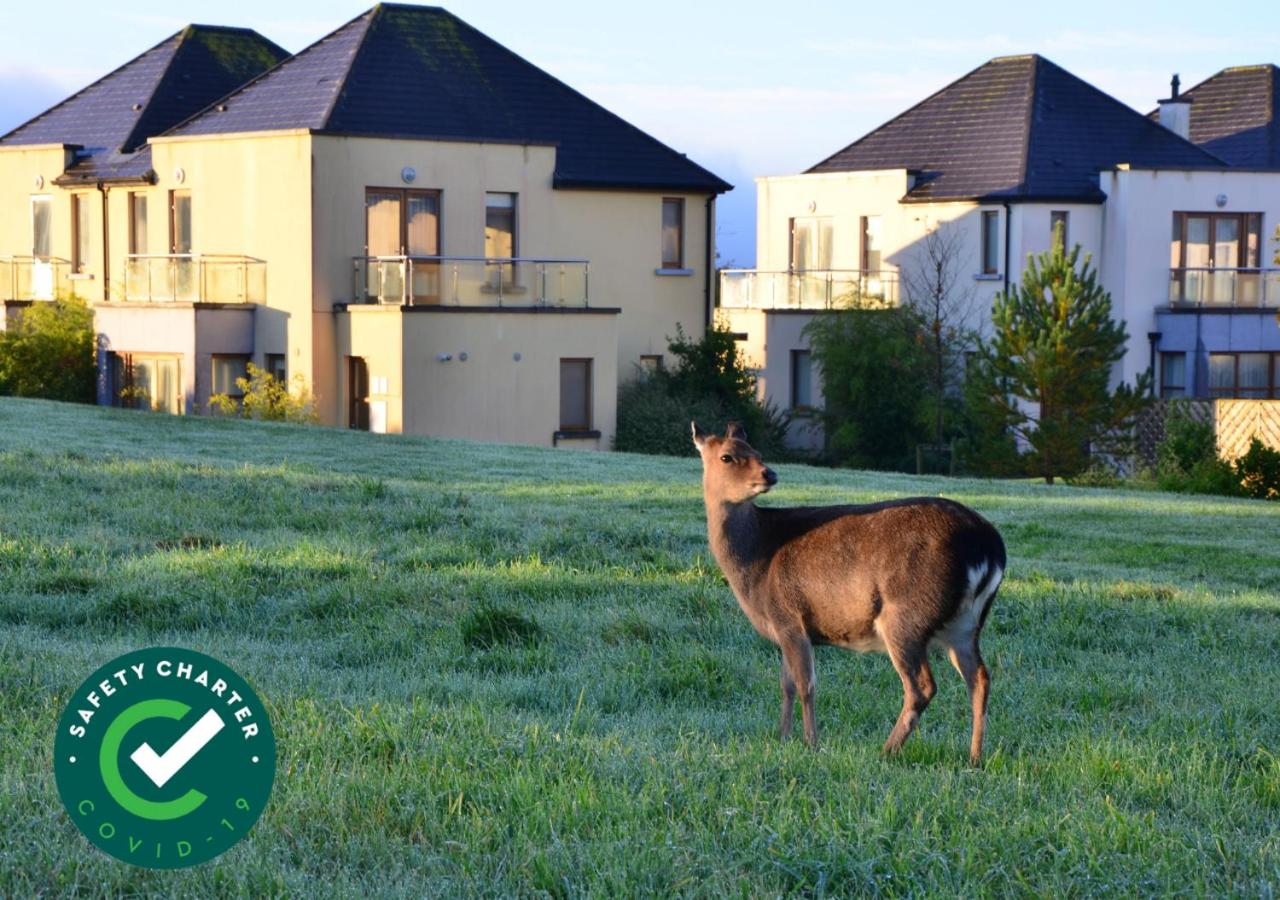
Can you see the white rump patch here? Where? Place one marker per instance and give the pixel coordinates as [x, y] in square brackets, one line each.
[968, 618]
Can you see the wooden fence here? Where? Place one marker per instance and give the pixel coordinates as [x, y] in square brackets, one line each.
[1235, 423]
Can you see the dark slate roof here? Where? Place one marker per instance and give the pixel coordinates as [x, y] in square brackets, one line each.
[1018, 128]
[421, 72]
[112, 118]
[1234, 115]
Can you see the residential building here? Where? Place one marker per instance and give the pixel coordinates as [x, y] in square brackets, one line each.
[437, 236]
[998, 159]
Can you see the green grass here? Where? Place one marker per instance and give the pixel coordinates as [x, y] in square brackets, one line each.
[498, 670]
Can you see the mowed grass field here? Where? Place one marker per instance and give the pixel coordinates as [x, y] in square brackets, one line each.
[625, 743]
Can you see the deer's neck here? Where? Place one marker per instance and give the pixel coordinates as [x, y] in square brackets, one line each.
[738, 541]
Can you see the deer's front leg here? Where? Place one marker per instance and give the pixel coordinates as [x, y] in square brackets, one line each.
[788, 699]
[797, 655]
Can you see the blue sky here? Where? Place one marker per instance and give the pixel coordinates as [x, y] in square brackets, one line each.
[746, 88]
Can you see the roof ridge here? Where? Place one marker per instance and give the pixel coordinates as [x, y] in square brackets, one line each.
[1033, 96]
[240, 89]
[372, 15]
[902, 115]
[120, 68]
[184, 40]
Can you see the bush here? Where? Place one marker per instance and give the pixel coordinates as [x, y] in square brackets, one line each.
[1258, 471]
[710, 384]
[1187, 442]
[48, 352]
[268, 399]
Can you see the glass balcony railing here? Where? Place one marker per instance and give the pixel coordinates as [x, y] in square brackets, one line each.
[1224, 287]
[470, 281]
[34, 278]
[814, 289]
[190, 278]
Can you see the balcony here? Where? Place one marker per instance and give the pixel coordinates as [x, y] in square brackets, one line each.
[190, 278]
[1222, 288]
[470, 281]
[34, 278]
[814, 289]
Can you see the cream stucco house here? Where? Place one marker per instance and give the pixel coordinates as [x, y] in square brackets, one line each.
[1176, 209]
[439, 237]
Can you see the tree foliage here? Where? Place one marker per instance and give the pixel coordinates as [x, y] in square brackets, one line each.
[875, 381]
[267, 398]
[711, 383]
[48, 352]
[1045, 374]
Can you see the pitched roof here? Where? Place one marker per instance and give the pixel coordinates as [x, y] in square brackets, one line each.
[112, 118]
[1017, 128]
[1234, 115]
[421, 72]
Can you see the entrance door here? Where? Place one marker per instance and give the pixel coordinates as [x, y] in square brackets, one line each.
[357, 393]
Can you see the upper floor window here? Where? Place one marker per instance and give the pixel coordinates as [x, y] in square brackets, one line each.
[180, 222]
[870, 260]
[81, 219]
[499, 225]
[1058, 220]
[672, 233]
[137, 222]
[990, 242]
[42, 227]
[1215, 240]
[811, 240]
[401, 222]
[1251, 375]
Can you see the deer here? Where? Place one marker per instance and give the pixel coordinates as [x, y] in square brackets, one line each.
[897, 577]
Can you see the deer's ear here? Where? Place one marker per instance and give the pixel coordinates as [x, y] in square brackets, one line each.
[735, 431]
[699, 436]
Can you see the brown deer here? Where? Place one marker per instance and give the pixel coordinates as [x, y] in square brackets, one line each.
[896, 577]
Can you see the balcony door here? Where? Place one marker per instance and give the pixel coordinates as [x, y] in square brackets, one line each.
[42, 276]
[1215, 257]
[810, 260]
[402, 223]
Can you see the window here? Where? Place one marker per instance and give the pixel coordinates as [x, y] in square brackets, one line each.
[500, 236]
[651, 364]
[180, 222]
[137, 223]
[990, 242]
[42, 227]
[146, 382]
[400, 222]
[81, 219]
[575, 395]
[1173, 374]
[672, 233]
[1207, 252]
[1246, 375]
[226, 369]
[1058, 219]
[870, 260]
[274, 363]
[801, 380]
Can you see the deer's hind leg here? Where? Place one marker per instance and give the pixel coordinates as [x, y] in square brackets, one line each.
[911, 660]
[968, 662]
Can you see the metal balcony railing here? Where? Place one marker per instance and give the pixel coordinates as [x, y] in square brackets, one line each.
[194, 278]
[470, 281]
[34, 277]
[1223, 287]
[814, 289]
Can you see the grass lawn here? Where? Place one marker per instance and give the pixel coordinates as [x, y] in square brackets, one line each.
[625, 744]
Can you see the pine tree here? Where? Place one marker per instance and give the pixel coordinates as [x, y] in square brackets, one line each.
[1045, 374]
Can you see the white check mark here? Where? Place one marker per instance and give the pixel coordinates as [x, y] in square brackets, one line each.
[161, 768]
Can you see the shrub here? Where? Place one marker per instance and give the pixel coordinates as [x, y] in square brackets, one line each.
[1186, 443]
[48, 352]
[267, 398]
[710, 384]
[1258, 471]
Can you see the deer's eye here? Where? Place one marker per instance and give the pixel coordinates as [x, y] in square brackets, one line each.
[726, 458]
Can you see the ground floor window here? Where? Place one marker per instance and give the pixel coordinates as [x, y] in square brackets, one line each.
[146, 381]
[1245, 375]
[227, 370]
[275, 365]
[1173, 374]
[575, 395]
[651, 364]
[801, 380]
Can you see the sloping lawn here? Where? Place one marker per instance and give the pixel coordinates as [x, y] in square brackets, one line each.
[498, 670]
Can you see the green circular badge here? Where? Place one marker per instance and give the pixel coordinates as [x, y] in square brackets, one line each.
[164, 758]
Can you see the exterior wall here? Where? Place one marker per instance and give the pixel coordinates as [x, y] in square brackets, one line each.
[770, 337]
[1138, 218]
[479, 374]
[618, 231]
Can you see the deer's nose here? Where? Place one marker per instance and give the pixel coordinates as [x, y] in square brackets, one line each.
[770, 477]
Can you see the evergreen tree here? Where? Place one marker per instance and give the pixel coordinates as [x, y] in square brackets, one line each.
[1045, 374]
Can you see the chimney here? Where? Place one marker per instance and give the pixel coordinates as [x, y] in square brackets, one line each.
[1175, 112]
